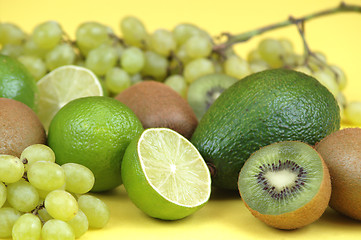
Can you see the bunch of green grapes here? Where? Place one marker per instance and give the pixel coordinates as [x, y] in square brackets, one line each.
[176, 57]
[40, 199]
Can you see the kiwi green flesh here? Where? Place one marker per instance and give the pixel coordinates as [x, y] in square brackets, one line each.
[205, 90]
[281, 177]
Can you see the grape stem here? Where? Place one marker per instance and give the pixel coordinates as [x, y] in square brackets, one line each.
[243, 37]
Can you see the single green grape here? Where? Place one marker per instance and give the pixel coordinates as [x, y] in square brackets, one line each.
[182, 32]
[303, 69]
[353, 112]
[178, 84]
[61, 55]
[197, 68]
[327, 78]
[287, 45]
[341, 78]
[117, 80]
[78, 178]
[61, 205]
[35, 66]
[27, 227]
[46, 175]
[272, 51]
[79, 224]
[101, 59]
[162, 42]
[133, 31]
[198, 46]
[253, 55]
[132, 60]
[155, 65]
[47, 35]
[57, 229]
[11, 169]
[11, 34]
[22, 196]
[236, 67]
[96, 210]
[8, 217]
[12, 50]
[182, 55]
[258, 66]
[32, 49]
[36, 152]
[136, 78]
[90, 35]
[3, 193]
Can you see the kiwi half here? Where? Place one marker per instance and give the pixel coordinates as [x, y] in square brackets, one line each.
[206, 89]
[286, 185]
[341, 151]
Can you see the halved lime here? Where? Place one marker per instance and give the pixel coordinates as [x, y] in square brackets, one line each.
[62, 85]
[164, 174]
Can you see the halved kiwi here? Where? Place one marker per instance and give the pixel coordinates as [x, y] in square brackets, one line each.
[206, 89]
[286, 184]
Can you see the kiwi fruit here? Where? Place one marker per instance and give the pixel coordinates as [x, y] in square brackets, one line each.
[286, 184]
[158, 105]
[341, 151]
[205, 90]
[19, 127]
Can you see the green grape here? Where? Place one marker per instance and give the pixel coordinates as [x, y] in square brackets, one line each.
[178, 84]
[8, 217]
[258, 66]
[303, 69]
[236, 67]
[12, 50]
[61, 55]
[90, 35]
[253, 56]
[31, 49]
[119, 48]
[340, 77]
[316, 61]
[197, 68]
[117, 80]
[198, 46]
[47, 35]
[342, 103]
[272, 51]
[327, 79]
[46, 175]
[287, 45]
[22, 196]
[61, 205]
[353, 112]
[35, 66]
[155, 65]
[136, 78]
[132, 60]
[79, 224]
[11, 169]
[182, 55]
[95, 209]
[57, 229]
[36, 152]
[11, 34]
[3, 193]
[182, 32]
[27, 227]
[44, 215]
[162, 42]
[78, 178]
[101, 59]
[133, 31]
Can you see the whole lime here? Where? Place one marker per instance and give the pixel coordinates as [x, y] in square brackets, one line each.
[17, 83]
[94, 131]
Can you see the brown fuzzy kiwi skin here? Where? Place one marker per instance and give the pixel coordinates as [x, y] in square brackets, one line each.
[341, 151]
[19, 127]
[305, 215]
[158, 105]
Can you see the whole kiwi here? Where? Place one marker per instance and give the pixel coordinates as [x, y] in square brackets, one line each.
[341, 151]
[158, 105]
[19, 127]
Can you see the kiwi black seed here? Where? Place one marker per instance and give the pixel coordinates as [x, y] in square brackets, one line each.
[19, 127]
[341, 151]
[158, 105]
[286, 184]
[205, 90]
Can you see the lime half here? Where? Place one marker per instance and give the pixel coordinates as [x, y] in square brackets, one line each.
[164, 174]
[62, 85]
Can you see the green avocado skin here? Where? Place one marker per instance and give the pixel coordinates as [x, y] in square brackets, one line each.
[266, 107]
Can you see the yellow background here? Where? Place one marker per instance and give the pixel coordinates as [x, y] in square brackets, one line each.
[224, 217]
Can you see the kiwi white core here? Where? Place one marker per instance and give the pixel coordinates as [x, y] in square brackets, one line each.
[281, 179]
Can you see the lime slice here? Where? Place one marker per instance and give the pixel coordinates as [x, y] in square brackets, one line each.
[62, 85]
[164, 174]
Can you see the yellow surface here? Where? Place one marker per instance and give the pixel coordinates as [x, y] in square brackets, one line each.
[225, 216]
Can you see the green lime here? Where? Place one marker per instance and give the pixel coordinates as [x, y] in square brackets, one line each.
[94, 131]
[164, 174]
[17, 83]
